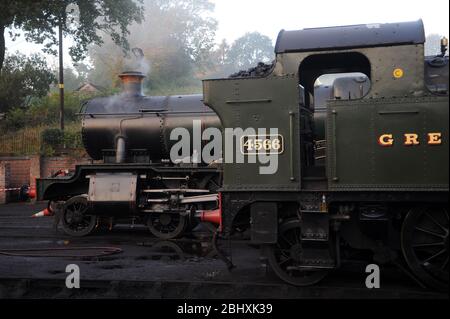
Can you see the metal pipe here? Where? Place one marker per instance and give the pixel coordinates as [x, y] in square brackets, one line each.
[291, 136]
[335, 176]
[120, 149]
[61, 74]
[145, 112]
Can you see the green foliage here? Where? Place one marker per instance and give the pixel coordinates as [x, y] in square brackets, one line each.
[53, 137]
[44, 140]
[45, 111]
[14, 119]
[81, 19]
[72, 138]
[21, 79]
[54, 140]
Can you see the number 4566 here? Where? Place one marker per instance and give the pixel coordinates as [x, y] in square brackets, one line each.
[252, 144]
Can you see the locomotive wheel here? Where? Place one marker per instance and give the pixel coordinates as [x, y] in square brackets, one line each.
[76, 220]
[167, 225]
[284, 257]
[424, 240]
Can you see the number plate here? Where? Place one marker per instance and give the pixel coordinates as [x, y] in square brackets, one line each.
[262, 144]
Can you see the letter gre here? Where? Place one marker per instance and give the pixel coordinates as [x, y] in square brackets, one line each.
[73, 279]
[373, 279]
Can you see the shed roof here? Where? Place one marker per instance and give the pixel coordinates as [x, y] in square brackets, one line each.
[85, 85]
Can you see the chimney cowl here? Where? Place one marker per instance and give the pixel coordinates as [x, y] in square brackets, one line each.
[132, 83]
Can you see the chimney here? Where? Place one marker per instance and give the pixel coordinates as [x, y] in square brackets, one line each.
[132, 83]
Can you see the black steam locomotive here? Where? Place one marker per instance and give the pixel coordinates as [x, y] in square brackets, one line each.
[312, 172]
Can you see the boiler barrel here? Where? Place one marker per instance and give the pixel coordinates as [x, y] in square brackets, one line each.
[143, 123]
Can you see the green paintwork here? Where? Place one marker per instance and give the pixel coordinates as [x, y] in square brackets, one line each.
[356, 160]
[259, 103]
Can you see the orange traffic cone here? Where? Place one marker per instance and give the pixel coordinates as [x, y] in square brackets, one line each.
[43, 213]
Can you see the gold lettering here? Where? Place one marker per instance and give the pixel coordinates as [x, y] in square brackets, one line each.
[411, 139]
[434, 138]
[386, 140]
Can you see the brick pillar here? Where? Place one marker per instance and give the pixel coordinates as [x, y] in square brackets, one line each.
[5, 173]
[35, 169]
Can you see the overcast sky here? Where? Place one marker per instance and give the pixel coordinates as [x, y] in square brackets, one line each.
[268, 17]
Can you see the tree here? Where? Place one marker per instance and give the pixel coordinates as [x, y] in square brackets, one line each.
[221, 54]
[218, 63]
[23, 77]
[250, 49]
[81, 19]
[187, 23]
[176, 40]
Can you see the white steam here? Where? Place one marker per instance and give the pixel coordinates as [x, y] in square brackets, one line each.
[137, 62]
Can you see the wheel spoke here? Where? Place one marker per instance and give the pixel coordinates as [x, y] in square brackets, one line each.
[285, 252]
[430, 232]
[434, 256]
[445, 263]
[436, 222]
[429, 244]
[284, 261]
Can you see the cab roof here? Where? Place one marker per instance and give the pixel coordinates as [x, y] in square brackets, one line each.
[351, 36]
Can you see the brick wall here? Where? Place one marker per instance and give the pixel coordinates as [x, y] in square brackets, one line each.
[50, 165]
[19, 170]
